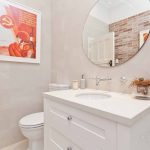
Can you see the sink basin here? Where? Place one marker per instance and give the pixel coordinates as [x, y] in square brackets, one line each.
[93, 96]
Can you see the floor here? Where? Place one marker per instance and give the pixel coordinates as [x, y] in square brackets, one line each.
[18, 146]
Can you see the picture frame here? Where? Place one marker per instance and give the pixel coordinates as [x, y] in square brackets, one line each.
[20, 33]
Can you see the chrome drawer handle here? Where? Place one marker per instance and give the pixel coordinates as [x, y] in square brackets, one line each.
[69, 118]
[69, 148]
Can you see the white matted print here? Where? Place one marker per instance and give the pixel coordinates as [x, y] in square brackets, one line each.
[20, 32]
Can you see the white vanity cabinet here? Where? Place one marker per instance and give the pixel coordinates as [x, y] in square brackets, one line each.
[118, 123]
[67, 128]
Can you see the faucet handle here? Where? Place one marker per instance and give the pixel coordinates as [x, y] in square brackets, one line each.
[100, 78]
[123, 79]
[108, 78]
[97, 77]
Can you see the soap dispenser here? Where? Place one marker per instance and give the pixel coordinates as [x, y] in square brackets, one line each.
[83, 82]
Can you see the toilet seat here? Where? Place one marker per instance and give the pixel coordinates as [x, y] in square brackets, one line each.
[32, 121]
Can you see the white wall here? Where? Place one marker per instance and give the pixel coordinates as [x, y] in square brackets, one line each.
[22, 85]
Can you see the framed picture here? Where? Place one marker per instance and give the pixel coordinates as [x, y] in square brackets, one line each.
[143, 37]
[20, 32]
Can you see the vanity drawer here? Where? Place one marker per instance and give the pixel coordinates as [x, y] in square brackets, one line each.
[84, 129]
[57, 141]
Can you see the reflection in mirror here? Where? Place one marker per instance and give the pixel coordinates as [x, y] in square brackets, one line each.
[116, 30]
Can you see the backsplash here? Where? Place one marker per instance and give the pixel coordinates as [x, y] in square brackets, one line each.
[127, 32]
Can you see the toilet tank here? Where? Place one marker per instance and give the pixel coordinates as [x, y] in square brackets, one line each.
[56, 87]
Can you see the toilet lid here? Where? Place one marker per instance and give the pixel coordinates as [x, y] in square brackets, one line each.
[33, 120]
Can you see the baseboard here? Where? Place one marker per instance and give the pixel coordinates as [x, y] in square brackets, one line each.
[18, 146]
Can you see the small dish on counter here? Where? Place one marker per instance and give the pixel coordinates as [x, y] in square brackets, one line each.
[141, 97]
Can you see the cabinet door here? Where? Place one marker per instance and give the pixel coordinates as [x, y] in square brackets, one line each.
[85, 130]
[53, 138]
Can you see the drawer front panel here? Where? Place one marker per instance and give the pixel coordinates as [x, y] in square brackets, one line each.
[84, 129]
[57, 141]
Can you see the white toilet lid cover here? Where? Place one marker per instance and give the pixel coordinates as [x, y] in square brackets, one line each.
[33, 119]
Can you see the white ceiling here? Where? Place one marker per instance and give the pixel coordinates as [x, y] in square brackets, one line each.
[109, 3]
[110, 11]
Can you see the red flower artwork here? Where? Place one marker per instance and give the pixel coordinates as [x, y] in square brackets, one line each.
[19, 31]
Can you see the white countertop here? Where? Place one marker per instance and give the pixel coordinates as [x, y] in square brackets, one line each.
[122, 108]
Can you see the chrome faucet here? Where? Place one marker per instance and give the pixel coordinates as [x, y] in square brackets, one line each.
[99, 79]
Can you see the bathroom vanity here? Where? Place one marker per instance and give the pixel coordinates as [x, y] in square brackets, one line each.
[95, 120]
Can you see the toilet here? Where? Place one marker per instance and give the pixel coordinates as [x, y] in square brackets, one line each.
[32, 126]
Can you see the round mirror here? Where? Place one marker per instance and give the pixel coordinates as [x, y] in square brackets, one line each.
[116, 30]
